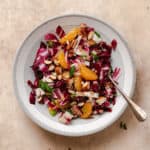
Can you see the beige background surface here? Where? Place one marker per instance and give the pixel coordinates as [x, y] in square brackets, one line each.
[18, 17]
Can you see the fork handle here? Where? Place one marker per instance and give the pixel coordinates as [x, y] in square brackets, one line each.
[139, 113]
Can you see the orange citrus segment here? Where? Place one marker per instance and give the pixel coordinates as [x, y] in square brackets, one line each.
[70, 36]
[87, 110]
[87, 74]
[61, 59]
[77, 83]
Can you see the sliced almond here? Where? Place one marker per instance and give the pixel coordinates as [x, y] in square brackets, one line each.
[53, 76]
[47, 62]
[59, 77]
[56, 62]
[91, 42]
[86, 85]
[101, 100]
[66, 75]
[51, 67]
[73, 103]
[81, 104]
[58, 70]
[90, 35]
[70, 83]
[47, 79]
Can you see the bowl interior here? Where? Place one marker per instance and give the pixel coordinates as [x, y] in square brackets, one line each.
[39, 113]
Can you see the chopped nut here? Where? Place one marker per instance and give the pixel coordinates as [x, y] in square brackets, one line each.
[51, 67]
[77, 74]
[58, 70]
[39, 92]
[76, 110]
[66, 75]
[59, 77]
[47, 79]
[90, 35]
[81, 104]
[91, 42]
[86, 85]
[101, 100]
[70, 83]
[47, 62]
[91, 101]
[56, 62]
[54, 73]
[71, 91]
[53, 76]
[73, 103]
[83, 25]
[38, 99]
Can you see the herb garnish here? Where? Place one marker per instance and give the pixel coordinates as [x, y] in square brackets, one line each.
[50, 44]
[44, 86]
[72, 70]
[97, 34]
[123, 125]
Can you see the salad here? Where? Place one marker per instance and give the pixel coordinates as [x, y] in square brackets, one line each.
[72, 74]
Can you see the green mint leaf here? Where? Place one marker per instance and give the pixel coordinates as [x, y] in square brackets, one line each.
[50, 44]
[97, 34]
[72, 70]
[96, 58]
[52, 112]
[44, 86]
